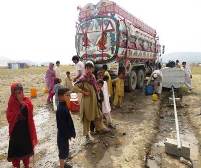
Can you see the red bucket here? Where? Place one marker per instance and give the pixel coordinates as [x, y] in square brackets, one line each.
[74, 105]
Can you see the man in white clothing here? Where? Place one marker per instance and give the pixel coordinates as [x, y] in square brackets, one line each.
[188, 75]
[156, 79]
[57, 70]
[79, 67]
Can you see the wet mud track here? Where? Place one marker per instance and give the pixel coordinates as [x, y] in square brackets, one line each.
[127, 145]
[46, 154]
[166, 129]
[124, 147]
[137, 124]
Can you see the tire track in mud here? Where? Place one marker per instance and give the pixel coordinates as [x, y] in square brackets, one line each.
[135, 127]
[166, 129]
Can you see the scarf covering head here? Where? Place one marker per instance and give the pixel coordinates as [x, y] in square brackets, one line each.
[13, 112]
[50, 76]
[89, 78]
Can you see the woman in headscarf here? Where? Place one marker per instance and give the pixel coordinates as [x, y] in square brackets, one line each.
[49, 79]
[22, 130]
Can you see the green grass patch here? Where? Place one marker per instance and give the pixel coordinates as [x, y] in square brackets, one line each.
[196, 70]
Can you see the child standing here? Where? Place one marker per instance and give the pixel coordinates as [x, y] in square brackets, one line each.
[65, 126]
[57, 85]
[68, 81]
[109, 81]
[49, 79]
[99, 95]
[22, 129]
[119, 89]
[106, 108]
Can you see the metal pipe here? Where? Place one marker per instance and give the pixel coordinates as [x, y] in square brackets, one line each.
[176, 120]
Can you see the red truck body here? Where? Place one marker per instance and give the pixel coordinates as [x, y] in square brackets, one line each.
[107, 34]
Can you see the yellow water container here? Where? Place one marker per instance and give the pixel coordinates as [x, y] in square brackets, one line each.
[154, 97]
[33, 92]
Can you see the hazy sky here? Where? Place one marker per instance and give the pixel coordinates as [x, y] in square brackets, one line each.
[44, 30]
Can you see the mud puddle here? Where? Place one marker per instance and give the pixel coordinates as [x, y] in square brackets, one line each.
[157, 156]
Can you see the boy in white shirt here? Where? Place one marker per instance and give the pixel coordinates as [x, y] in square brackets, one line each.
[79, 67]
[57, 70]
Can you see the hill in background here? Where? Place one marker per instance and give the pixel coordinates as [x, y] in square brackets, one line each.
[189, 57]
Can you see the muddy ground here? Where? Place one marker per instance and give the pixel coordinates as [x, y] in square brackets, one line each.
[157, 156]
[139, 128]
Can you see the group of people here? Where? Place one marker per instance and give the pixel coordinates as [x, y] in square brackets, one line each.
[97, 90]
[98, 93]
[156, 78]
[187, 71]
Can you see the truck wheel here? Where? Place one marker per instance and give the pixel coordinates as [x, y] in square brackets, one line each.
[140, 79]
[132, 81]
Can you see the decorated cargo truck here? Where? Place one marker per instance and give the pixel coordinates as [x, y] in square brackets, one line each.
[107, 34]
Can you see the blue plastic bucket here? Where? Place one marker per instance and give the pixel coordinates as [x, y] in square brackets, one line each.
[149, 90]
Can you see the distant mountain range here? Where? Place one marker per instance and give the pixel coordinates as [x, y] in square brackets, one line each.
[189, 57]
[4, 61]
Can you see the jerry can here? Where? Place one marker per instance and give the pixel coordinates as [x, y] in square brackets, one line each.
[149, 89]
[33, 92]
[154, 97]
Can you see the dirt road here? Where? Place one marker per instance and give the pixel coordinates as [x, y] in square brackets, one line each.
[139, 128]
[157, 156]
[124, 147]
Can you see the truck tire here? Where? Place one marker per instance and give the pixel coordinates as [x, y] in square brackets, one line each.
[140, 79]
[132, 81]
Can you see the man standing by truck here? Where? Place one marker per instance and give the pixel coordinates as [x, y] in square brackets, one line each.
[79, 67]
[57, 70]
[156, 80]
[178, 64]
